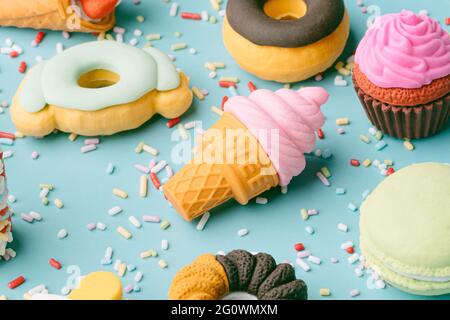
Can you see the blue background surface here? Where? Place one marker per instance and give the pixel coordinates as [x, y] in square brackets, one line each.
[81, 182]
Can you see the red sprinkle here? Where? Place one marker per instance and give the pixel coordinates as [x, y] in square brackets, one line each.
[251, 86]
[350, 250]
[355, 163]
[447, 21]
[16, 282]
[172, 122]
[390, 171]
[299, 247]
[190, 15]
[224, 100]
[227, 84]
[155, 180]
[55, 264]
[39, 37]
[320, 134]
[7, 135]
[23, 67]
[13, 54]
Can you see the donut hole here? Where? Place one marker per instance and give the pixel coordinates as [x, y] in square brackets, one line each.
[239, 296]
[99, 78]
[285, 9]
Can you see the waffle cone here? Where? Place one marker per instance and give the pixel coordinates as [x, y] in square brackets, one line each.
[240, 169]
[48, 14]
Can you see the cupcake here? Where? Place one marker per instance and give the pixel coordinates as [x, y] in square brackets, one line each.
[402, 75]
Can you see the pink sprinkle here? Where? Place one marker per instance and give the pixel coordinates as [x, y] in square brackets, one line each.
[88, 148]
[169, 171]
[359, 3]
[318, 77]
[151, 164]
[91, 226]
[151, 219]
[34, 155]
[142, 168]
[303, 254]
[91, 141]
[128, 288]
[313, 212]
[26, 217]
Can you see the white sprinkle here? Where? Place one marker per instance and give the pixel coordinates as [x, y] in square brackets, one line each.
[117, 264]
[159, 166]
[203, 220]
[342, 227]
[135, 222]
[88, 148]
[380, 284]
[261, 200]
[334, 260]
[35, 215]
[365, 194]
[164, 244]
[353, 258]
[346, 245]
[114, 210]
[213, 74]
[205, 15]
[142, 168]
[138, 276]
[44, 192]
[37, 289]
[154, 219]
[173, 9]
[302, 264]
[101, 226]
[59, 47]
[354, 293]
[340, 82]
[358, 272]
[150, 150]
[108, 253]
[242, 232]
[66, 35]
[110, 168]
[137, 33]
[352, 207]
[134, 42]
[118, 29]
[284, 189]
[314, 259]
[169, 171]
[309, 229]
[62, 233]
[17, 48]
[11, 198]
[9, 42]
[183, 132]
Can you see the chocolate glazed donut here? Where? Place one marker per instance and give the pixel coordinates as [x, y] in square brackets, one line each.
[247, 17]
[259, 275]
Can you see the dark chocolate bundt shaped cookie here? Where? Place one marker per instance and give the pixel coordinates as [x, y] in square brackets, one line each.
[260, 276]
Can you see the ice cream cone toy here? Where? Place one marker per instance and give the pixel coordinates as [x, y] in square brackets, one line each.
[259, 143]
[64, 15]
[5, 214]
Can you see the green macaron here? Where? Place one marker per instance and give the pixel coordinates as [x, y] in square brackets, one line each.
[405, 229]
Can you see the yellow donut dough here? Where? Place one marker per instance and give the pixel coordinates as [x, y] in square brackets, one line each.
[287, 65]
[99, 285]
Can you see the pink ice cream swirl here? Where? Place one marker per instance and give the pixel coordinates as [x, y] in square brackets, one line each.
[404, 50]
[295, 114]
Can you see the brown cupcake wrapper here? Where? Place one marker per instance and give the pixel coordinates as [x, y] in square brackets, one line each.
[406, 122]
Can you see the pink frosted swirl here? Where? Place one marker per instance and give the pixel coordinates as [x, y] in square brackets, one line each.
[296, 114]
[404, 50]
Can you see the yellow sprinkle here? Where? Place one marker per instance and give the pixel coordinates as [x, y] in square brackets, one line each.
[19, 135]
[198, 94]
[153, 36]
[350, 65]
[154, 152]
[219, 65]
[46, 185]
[139, 147]
[378, 135]
[287, 86]
[122, 269]
[164, 224]
[230, 79]
[344, 72]
[217, 110]
[148, 254]
[325, 292]
[73, 137]
[389, 162]
[140, 19]
[143, 187]
[215, 4]
[109, 37]
[162, 264]
[101, 36]
[326, 172]
[339, 65]
[177, 34]
[304, 214]
[58, 203]
[408, 145]
[342, 121]
[364, 138]
[178, 46]
[124, 232]
[120, 193]
[210, 66]
[366, 163]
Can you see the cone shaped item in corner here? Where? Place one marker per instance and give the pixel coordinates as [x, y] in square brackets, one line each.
[202, 185]
[48, 14]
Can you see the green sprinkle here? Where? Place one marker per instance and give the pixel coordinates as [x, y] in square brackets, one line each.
[140, 19]
[326, 172]
[364, 138]
[46, 185]
[165, 224]
[212, 20]
[139, 147]
[304, 214]
[45, 201]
